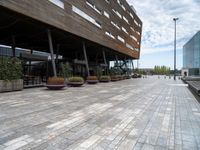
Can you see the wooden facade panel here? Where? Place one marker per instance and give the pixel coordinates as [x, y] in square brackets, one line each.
[67, 20]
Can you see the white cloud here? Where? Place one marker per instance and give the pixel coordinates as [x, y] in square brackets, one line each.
[158, 26]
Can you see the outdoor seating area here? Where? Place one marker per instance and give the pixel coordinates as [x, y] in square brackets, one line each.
[195, 86]
[32, 80]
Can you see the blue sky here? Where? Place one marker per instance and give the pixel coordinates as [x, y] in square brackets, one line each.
[158, 29]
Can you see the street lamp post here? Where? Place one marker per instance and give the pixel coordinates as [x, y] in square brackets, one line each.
[175, 19]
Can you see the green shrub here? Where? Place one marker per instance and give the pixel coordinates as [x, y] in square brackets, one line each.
[76, 79]
[105, 78]
[10, 68]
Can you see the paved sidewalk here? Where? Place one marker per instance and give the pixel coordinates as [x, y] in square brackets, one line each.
[131, 114]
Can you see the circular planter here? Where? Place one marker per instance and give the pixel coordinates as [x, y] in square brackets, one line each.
[134, 76]
[114, 79]
[92, 81]
[104, 80]
[120, 77]
[75, 84]
[127, 77]
[55, 87]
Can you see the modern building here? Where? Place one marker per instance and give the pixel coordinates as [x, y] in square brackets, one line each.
[87, 33]
[191, 56]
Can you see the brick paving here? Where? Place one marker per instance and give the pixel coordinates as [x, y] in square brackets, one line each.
[133, 114]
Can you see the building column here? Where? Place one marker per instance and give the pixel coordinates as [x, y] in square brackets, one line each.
[105, 62]
[104, 58]
[132, 64]
[125, 63]
[52, 53]
[117, 63]
[31, 52]
[13, 46]
[57, 53]
[86, 59]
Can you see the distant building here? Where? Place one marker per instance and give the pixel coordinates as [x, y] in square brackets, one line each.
[191, 56]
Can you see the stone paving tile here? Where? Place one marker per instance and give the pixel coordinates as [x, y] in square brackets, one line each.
[135, 114]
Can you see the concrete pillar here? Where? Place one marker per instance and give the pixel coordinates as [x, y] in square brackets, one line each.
[29, 70]
[57, 53]
[105, 62]
[132, 64]
[117, 63]
[125, 63]
[86, 59]
[104, 58]
[52, 53]
[13, 46]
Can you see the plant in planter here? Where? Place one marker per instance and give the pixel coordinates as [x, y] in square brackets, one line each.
[139, 75]
[98, 71]
[120, 77]
[127, 77]
[10, 74]
[114, 78]
[105, 79]
[55, 83]
[92, 80]
[134, 75]
[75, 81]
[115, 74]
[65, 71]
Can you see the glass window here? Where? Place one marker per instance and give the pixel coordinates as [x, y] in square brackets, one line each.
[115, 25]
[58, 3]
[86, 16]
[129, 46]
[93, 6]
[120, 39]
[110, 35]
[106, 14]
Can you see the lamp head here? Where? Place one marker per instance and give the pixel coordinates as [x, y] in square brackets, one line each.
[175, 19]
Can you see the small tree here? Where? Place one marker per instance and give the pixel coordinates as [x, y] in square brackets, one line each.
[65, 70]
[98, 71]
[115, 71]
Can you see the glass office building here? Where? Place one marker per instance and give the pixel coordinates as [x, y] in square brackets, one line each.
[191, 55]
